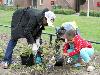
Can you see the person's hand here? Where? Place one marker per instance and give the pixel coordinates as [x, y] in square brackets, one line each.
[65, 54]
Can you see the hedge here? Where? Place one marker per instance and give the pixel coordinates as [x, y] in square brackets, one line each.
[57, 7]
[64, 11]
[7, 8]
[91, 13]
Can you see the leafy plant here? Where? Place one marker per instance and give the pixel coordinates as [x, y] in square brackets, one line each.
[1, 53]
[64, 11]
[91, 13]
[83, 13]
[7, 8]
[57, 7]
[25, 50]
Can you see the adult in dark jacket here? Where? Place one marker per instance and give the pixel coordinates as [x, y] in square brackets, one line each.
[27, 23]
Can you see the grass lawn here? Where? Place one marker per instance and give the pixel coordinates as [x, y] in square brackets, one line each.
[89, 26]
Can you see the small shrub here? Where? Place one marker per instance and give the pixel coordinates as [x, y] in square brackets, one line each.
[64, 11]
[57, 7]
[1, 53]
[26, 54]
[97, 14]
[2, 7]
[68, 11]
[83, 13]
[7, 8]
[91, 13]
[25, 50]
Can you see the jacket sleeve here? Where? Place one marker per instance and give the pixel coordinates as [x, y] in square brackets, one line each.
[29, 29]
[65, 48]
[77, 47]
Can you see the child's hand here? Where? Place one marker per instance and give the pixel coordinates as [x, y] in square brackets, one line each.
[65, 54]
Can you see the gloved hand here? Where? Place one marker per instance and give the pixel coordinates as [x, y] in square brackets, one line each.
[38, 42]
[36, 46]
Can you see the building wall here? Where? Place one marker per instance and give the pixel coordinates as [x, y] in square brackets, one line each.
[7, 2]
[23, 3]
[85, 6]
[46, 4]
[0, 1]
[27, 3]
[66, 3]
[93, 5]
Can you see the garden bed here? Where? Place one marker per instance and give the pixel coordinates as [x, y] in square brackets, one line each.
[17, 69]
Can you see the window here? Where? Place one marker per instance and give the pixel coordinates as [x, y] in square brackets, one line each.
[41, 2]
[52, 3]
[9, 2]
[34, 3]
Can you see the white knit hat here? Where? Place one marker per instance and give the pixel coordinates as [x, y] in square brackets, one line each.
[50, 16]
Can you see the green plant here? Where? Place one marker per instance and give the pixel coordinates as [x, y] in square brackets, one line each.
[57, 7]
[25, 50]
[1, 53]
[7, 8]
[83, 13]
[2, 47]
[91, 13]
[2, 7]
[64, 11]
[97, 14]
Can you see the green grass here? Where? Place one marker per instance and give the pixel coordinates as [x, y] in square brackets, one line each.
[89, 26]
[5, 17]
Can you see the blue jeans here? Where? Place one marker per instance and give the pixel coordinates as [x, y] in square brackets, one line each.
[86, 54]
[8, 54]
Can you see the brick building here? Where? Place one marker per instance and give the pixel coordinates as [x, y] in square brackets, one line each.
[79, 4]
[6, 2]
[1, 1]
[73, 4]
[34, 3]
